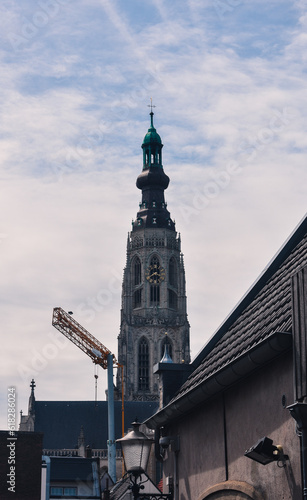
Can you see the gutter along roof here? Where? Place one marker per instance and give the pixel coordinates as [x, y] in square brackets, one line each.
[255, 332]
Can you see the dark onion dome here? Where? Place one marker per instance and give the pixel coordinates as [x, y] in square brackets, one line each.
[153, 176]
[152, 181]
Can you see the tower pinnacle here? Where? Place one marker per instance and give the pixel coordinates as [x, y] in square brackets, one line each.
[152, 181]
[31, 408]
[153, 294]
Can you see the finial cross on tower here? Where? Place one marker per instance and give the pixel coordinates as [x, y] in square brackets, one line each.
[32, 385]
[151, 105]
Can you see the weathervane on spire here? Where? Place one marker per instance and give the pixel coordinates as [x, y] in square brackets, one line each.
[151, 105]
[151, 112]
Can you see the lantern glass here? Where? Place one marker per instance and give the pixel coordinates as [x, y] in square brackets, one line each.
[136, 449]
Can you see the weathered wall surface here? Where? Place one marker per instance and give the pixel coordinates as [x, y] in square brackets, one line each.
[214, 437]
[254, 409]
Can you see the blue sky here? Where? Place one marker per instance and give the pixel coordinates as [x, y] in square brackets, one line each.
[228, 79]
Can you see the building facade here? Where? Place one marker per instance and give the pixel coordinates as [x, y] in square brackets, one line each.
[154, 304]
[245, 396]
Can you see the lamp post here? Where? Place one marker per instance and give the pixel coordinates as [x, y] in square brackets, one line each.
[136, 449]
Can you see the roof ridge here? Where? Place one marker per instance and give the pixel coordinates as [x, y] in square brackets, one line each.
[279, 257]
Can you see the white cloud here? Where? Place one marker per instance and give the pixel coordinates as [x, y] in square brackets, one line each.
[74, 99]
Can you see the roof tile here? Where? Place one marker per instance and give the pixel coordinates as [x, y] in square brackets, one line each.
[268, 312]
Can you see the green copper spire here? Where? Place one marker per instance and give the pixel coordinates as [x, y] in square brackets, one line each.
[152, 146]
[152, 135]
[152, 181]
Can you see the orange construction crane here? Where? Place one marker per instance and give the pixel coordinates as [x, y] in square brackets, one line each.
[99, 354]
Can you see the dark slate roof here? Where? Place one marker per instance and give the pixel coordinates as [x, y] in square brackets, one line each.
[120, 488]
[61, 421]
[72, 468]
[263, 311]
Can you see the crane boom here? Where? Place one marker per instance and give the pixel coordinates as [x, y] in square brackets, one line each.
[69, 327]
[100, 355]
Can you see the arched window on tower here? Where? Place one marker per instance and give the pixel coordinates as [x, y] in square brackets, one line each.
[137, 298]
[172, 273]
[154, 295]
[154, 262]
[172, 299]
[143, 359]
[136, 282]
[154, 279]
[137, 271]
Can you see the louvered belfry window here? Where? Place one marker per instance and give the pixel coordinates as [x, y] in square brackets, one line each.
[154, 294]
[154, 288]
[143, 365]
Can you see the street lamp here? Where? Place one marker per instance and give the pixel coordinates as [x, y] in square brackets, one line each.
[136, 449]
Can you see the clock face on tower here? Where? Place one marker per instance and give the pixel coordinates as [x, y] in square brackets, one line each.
[155, 274]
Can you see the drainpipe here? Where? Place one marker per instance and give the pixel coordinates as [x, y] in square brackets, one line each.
[176, 485]
[111, 440]
[299, 412]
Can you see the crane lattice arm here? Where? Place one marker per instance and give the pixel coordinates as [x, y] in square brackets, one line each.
[69, 327]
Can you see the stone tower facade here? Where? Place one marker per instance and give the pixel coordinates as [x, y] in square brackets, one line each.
[154, 304]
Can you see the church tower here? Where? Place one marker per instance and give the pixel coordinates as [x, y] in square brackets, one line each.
[154, 304]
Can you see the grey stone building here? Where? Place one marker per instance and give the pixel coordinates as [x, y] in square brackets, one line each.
[154, 304]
